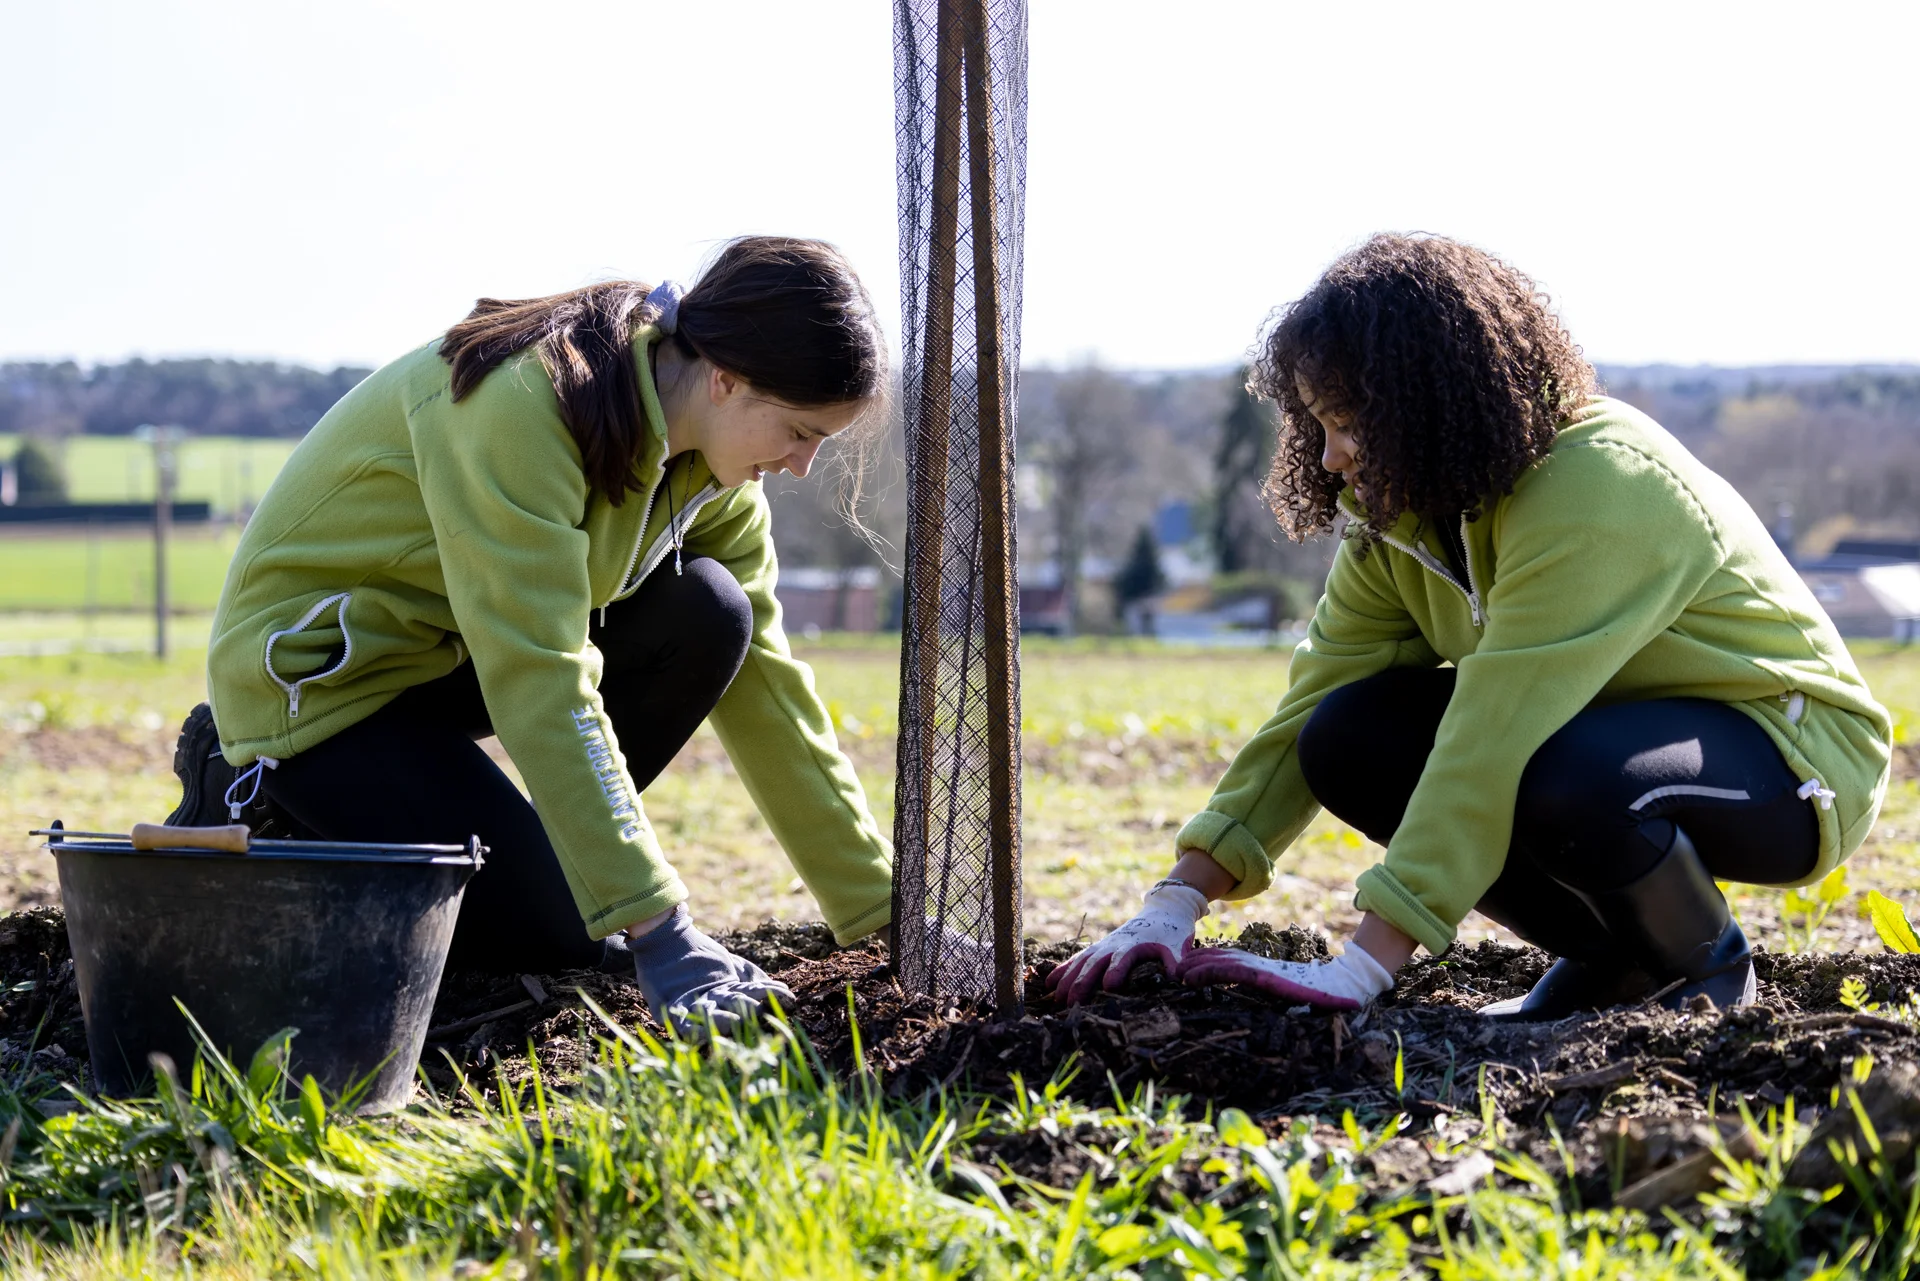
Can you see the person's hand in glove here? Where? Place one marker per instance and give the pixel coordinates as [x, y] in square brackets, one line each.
[1161, 931]
[1350, 981]
[694, 984]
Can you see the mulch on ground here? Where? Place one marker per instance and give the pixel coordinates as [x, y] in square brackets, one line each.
[1615, 1088]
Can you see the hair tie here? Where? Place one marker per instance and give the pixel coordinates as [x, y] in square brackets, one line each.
[665, 301]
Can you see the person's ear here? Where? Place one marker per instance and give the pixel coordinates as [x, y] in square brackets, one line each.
[722, 386]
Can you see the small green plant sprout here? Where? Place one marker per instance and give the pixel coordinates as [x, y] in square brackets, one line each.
[1853, 995]
[1891, 924]
[1806, 910]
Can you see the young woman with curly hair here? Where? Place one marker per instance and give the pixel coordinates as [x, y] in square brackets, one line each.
[547, 525]
[1560, 672]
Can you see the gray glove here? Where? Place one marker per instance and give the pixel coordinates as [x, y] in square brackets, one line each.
[694, 984]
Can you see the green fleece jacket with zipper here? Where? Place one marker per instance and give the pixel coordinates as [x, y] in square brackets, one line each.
[409, 534]
[1618, 569]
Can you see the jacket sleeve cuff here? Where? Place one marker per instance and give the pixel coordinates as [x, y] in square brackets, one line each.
[876, 917]
[1382, 894]
[1233, 847]
[618, 916]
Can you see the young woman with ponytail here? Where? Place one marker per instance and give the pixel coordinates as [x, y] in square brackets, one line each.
[546, 525]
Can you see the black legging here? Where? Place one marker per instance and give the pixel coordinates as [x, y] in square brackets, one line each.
[1598, 803]
[412, 772]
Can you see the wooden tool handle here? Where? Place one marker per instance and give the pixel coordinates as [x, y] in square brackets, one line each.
[154, 836]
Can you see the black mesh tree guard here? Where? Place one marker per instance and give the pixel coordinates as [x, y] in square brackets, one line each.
[960, 85]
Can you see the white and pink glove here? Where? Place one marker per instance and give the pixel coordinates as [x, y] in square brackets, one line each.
[1349, 981]
[1161, 931]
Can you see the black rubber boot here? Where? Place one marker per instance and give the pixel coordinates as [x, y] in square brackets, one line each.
[206, 779]
[1674, 923]
[1570, 987]
[1590, 972]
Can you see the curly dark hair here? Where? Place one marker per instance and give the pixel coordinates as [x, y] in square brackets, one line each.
[1452, 365]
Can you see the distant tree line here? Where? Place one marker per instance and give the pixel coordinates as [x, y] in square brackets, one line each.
[208, 397]
[37, 477]
[1821, 453]
[1834, 449]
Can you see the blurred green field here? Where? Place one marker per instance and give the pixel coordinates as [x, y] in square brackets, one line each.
[231, 472]
[110, 567]
[1123, 741]
[80, 568]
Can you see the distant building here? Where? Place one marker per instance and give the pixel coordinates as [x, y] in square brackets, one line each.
[1869, 587]
[829, 600]
[1043, 610]
[1173, 523]
[1043, 596]
[1195, 614]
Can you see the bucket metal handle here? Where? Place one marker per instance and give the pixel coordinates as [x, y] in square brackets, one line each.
[261, 845]
[236, 839]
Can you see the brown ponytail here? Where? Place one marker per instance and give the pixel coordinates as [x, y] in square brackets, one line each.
[788, 316]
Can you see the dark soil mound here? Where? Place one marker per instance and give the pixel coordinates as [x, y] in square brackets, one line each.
[1624, 1095]
[42, 1039]
[1240, 1048]
[1423, 1050]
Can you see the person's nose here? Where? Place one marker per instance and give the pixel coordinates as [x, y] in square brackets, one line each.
[800, 459]
[1336, 455]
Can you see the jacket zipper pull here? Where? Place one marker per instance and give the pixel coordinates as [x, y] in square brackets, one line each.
[603, 616]
[293, 701]
[1473, 601]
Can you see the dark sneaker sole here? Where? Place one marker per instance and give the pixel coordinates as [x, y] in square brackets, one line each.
[198, 740]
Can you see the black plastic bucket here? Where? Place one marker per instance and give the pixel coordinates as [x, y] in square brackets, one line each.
[344, 942]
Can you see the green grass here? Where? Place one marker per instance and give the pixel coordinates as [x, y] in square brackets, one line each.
[111, 568]
[231, 472]
[749, 1161]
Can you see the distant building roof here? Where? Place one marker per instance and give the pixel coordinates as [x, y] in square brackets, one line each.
[1869, 600]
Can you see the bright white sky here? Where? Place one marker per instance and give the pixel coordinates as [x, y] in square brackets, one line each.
[335, 182]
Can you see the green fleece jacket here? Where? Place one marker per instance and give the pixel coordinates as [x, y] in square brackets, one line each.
[409, 534]
[1619, 568]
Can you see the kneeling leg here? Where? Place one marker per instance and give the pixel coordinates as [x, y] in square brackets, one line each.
[1636, 809]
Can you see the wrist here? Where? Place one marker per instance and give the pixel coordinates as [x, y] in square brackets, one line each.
[1176, 898]
[1384, 941]
[640, 929]
[1366, 969]
[1198, 869]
